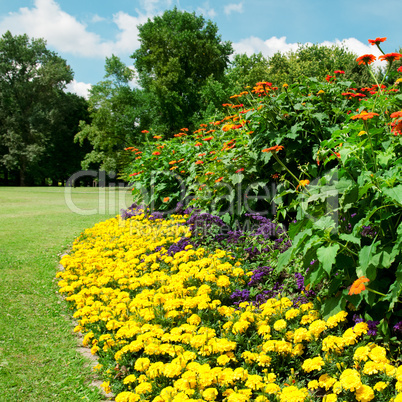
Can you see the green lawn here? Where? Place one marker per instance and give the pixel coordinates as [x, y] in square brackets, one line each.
[38, 356]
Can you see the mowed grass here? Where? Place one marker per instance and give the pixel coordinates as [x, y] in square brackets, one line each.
[38, 356]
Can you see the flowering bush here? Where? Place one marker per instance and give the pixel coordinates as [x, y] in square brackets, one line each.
[165, 328]
[350, 218]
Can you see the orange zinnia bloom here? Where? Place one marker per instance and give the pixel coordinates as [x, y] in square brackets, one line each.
[396, 114]
[276, 148]
[239, 170]
[390, 56]
[158, 137]
[358, 285]
[218, 180]
[303, 183]
[199, 162]
[144, 131]
[376, 41]
[366, 59]
[207, 139]
[166, 199]
[364, 116]
[156, 153]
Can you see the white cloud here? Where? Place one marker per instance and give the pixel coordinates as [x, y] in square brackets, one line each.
[233, 7]
[206, 10]
[97, 18]
[66, 34]
[79, 88]
[267, 47]
[152, 6]
[273, 45]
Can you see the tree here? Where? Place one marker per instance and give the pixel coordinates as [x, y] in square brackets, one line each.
[63, 156]
[31, 77]
[179, 51]
[118, 115]
[316, 61]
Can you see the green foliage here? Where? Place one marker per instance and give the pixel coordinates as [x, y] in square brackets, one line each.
[118, 115]
[315, 61]
[31, 78]
[178, 52]
[338, 175]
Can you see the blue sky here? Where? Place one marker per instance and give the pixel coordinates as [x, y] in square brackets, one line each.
[85, 32]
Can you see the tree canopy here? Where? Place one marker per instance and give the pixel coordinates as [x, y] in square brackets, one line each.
[178, 52]
[31, 78]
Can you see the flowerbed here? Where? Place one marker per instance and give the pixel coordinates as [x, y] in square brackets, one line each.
[165, 328]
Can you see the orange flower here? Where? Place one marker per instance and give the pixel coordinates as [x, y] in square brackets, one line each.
[184, 129]
[239, 170]
[166, 199]
[197, 144]
[303, 183]
[157, 137]
[276, 148]
[208, 173]
[358, 285]
[366, 59]
[364, 115]
[376, 41]
[199, 162]
[156, 153]
[218, 180]
[396, 114]
[144, 131]
[390, 57]
[172, 162]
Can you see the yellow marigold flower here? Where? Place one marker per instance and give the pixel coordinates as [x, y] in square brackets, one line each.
[143, 388]
[254, 382]
[399, 373]
[293, 394]
[301, 334]
[237, 397]
[361, 353]
[315, 363]
[298, 350]
[349, 337]
[292, 313]
[337, 387]
[129, 379]
[350, 379]
[317, 327]
[398, 398]
[361, 328]
[223, 360]
[326, 381]
[271, 377]
[194, 319]
[127, 396]
[223, 281]
[313, 384]
[334, 320]
[332, 343]
[210, 394]
[261, 398]
[380, 386]
[378, 354]
[272, 388]
[142, 364]
[240, 327]
[280, 325]
[389, 370]
[364, 393]
[370, 368]
[320, 92]
[361, 133]
[330, 398]
[285, 85]
[106, 386]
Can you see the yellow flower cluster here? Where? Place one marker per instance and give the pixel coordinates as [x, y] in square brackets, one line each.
[165, 329]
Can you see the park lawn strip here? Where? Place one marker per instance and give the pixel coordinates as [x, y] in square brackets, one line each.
[38, 349]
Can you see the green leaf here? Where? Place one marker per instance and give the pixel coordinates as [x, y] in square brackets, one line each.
[327, 256]
[350, 238]
[368, 258]
[394, 193]
[333, 305]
